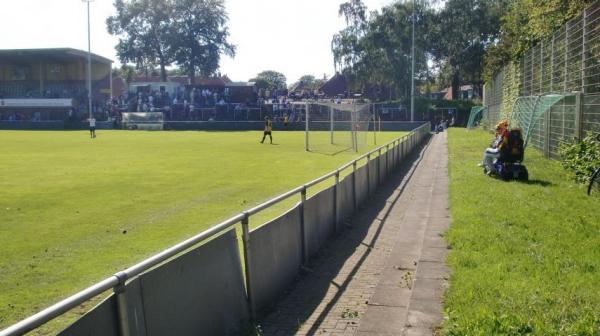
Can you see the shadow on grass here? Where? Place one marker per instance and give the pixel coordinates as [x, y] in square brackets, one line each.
[538, 182]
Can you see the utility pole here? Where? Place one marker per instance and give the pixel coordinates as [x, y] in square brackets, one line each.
[89, 65]
[412, 74]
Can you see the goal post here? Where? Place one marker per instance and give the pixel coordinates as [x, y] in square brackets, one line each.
[143, 120]
[331, 127]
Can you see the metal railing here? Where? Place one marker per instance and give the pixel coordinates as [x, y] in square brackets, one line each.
[398, 148]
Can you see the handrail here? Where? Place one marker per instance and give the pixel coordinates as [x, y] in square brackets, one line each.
[119, 278]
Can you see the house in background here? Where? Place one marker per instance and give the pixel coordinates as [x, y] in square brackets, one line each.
[467, 92]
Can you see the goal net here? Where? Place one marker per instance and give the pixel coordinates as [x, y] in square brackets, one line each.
[528, 111]
[143, 120]
[334, 128]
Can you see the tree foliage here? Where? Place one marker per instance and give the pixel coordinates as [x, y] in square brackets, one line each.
[144, 31]
[374, 52]
[464, 29]
[200, 27]
[190, 33]
[524, 24]
[269, 79]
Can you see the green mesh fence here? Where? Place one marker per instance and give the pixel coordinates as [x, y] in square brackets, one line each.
[527, 111]
[475, 115]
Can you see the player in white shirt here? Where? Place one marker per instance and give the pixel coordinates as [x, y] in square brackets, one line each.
[92, 121]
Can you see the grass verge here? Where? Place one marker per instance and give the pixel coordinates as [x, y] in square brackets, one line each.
[525, 257]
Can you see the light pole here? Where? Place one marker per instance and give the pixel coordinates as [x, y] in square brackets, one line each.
[412, 73]
[89, 65]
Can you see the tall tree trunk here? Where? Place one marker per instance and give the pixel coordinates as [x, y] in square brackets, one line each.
[163, 71]
[455, 84]
[192, 74]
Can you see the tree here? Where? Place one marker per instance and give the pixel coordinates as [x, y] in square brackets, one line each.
[144, 31]
[374, 53]
[344, 44]
[270, 79]
[463, 30]
[200, 36]
[524, 24]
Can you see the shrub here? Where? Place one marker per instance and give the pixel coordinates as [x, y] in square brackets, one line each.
[581, 157]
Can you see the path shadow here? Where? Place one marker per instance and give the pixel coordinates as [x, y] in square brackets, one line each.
[311, 287]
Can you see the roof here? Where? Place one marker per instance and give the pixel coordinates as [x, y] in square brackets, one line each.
[298, 86]
[184, 80]
[55, 54]
[240, 84]
[226, 79]
[336, 85]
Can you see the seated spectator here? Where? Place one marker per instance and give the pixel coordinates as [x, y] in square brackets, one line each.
[493, 152]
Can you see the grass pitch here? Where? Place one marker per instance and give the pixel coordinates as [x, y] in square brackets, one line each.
[525, 256]
[75, 210]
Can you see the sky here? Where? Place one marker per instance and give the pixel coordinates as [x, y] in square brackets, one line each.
[289, 36]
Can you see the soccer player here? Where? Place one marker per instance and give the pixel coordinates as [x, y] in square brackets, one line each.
[92, 121]
[268, 129]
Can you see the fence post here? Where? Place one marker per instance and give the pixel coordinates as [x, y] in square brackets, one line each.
[247, 264]
[566, 56]
[303, 226]
[547, 120]
[583, 45]
[578, 115]
[121, 297]
[335, 199]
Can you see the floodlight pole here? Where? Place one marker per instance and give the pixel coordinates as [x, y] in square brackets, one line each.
[89, 65]
[412, 75]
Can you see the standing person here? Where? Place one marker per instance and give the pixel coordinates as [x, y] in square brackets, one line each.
[92, 127]
[268, 129]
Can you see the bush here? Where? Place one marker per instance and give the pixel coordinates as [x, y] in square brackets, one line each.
[581, 157]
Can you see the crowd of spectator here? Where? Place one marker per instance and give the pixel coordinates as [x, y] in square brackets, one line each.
[184, 104]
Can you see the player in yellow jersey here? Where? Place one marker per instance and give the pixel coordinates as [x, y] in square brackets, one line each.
[268, 129]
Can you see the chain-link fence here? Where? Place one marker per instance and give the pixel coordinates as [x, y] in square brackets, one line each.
[567, 63]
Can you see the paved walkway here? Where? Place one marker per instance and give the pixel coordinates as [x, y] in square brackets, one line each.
[385, 274]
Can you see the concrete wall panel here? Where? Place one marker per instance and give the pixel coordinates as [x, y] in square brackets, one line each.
[199, 293]
[100, 321]
[276, 256]
[345, 200]
[361, 185]
[318, 220]
[373, 175]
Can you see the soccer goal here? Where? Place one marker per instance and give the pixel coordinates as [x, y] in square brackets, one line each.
[149, 121]
[334, 128]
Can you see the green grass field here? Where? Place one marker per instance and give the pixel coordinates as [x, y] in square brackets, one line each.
[525, 256]
[75, 210]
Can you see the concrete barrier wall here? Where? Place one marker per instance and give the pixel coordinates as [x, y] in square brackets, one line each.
[276, 256]
[318, 220]
[362, 188]
[345, 200]
[100, 321]
[373, 175]
[382, 167]
[199, 292]
[396, 126]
